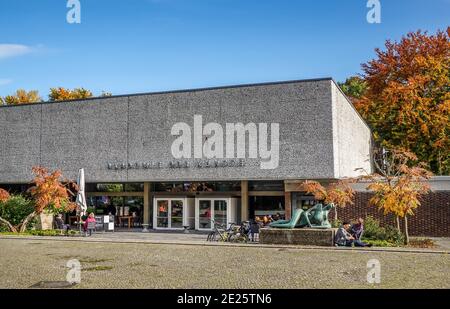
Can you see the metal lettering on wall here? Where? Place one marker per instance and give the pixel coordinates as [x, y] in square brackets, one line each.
[178, 164]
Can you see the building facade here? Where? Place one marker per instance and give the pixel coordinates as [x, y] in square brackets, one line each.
[182, 159]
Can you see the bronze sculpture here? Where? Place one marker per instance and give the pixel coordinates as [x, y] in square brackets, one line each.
[316, 217]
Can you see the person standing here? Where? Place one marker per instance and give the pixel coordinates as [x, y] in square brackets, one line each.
[89, 224]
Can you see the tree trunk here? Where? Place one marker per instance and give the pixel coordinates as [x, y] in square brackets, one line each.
[397, 220]
[335, 214]
[9, 225]
[406, 231]
[24, 224]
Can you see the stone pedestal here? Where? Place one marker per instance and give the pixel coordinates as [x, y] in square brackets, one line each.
[45, 221]
[306, 237]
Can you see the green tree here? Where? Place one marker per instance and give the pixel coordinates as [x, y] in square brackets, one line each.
[14, 210]
[354, 87]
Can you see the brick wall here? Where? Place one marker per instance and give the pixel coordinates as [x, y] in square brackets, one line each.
[432, 218]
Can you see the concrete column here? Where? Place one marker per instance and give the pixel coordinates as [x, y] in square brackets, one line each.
[244, 200]
[146, 215]
[287, 205]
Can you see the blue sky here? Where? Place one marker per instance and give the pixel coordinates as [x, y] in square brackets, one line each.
[150, 45]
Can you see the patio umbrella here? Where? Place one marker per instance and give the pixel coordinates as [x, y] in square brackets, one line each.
[81, 196]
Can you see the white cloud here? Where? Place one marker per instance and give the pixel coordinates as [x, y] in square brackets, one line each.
[13, 50]
[5, 81]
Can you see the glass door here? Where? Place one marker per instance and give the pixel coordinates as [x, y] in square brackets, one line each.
[169, 213]
[176, 214]
[162, 213]
[204, 214]
[210, 210]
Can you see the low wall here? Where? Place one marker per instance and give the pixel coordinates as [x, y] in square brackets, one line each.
[307, 237]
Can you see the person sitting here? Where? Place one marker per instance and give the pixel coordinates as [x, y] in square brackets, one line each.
[357, 229]
[279, 216]
[59, 222]
[343, 237]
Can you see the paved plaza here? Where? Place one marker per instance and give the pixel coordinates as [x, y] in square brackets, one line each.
[189, 263]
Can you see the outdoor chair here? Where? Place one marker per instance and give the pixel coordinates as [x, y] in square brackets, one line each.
[62, 228]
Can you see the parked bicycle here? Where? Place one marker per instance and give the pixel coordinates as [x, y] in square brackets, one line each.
[233, 233]
[240, 233]
[219, 232]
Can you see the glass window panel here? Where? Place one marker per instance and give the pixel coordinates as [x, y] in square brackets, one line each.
[222, 186]
[135, 206]
[265, 186]
[134, 187]
[109, 187]
[220, 212]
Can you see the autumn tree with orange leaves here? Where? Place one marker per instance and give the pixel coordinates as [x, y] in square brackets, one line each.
[404, 95]
[63, 94]
[398, 185]
[4, 195]
[338, 193]
[49, 193]
[21, 97]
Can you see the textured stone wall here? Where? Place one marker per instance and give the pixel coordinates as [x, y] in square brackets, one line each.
[128, 129]
[20, 145]
[305, 237]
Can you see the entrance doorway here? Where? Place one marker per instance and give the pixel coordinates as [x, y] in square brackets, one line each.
[172, 213]
[210, 210]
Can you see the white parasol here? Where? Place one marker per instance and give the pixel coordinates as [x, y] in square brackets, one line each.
[81, 196]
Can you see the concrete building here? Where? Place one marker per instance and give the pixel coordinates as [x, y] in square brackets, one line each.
[180, 159]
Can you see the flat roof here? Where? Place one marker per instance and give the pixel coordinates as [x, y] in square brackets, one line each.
[181, 91]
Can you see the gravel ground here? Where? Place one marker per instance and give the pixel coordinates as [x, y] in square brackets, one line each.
[24, 263]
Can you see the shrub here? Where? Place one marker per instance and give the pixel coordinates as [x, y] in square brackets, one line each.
[394, 235]
[15, 210]
[374, 232]
[42, 233]
[380, 243]
[372, 229]
[52, 233]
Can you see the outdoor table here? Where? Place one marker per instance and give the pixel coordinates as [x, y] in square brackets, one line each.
[129, 218]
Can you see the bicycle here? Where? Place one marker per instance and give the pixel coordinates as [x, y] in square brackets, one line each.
[219, 232]
[240, 233]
